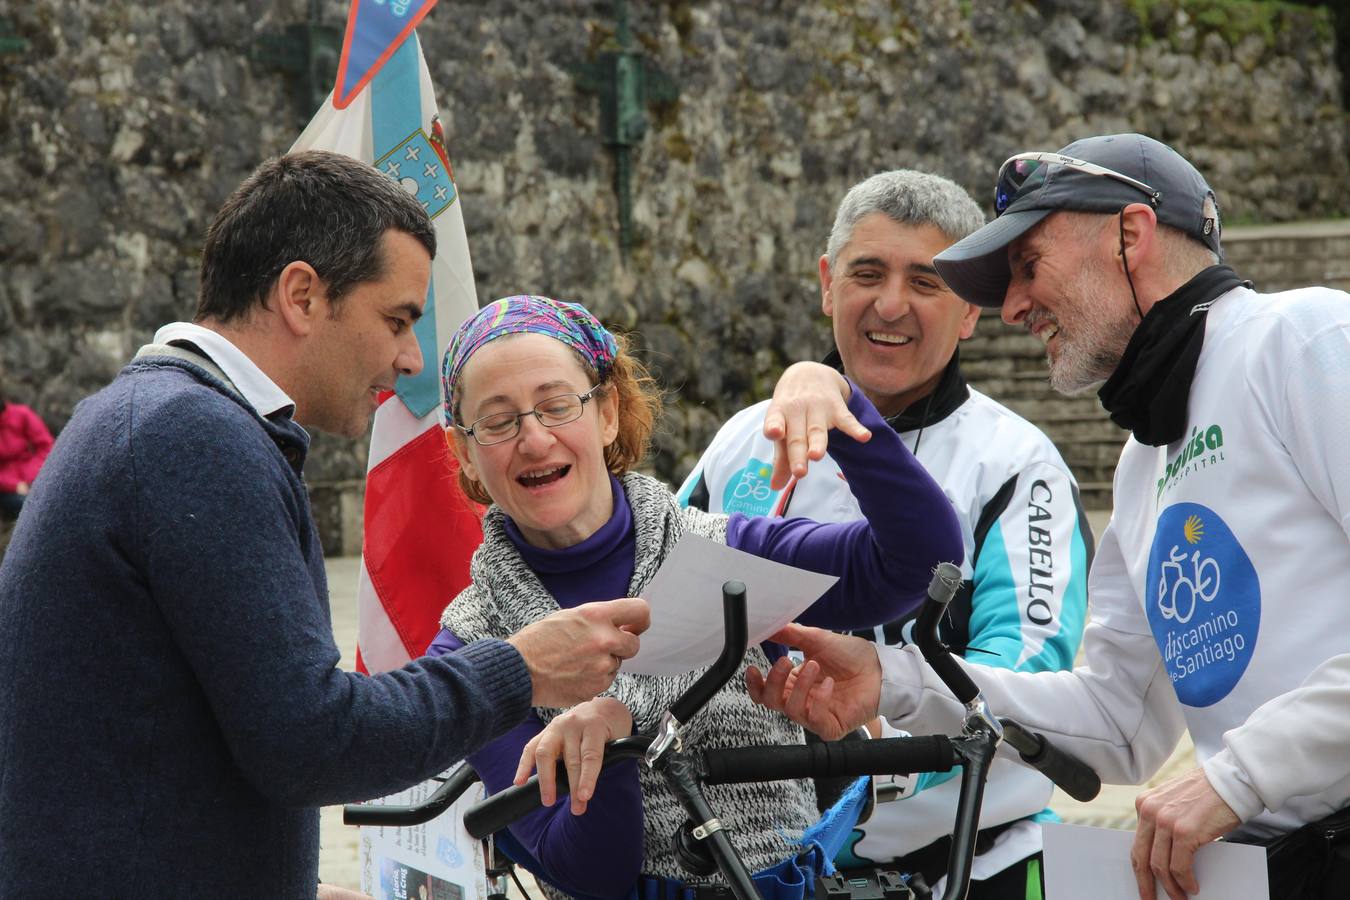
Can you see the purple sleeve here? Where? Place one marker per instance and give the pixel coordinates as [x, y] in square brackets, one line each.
[885, 560]
[567, 846]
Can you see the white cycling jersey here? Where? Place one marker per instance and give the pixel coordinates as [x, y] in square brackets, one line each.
[1218, 588]
[1027, 548]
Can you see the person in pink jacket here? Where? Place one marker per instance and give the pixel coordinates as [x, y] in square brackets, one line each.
[24, 443]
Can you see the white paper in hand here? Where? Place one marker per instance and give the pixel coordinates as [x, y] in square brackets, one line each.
[1095, 862]
[686, 600]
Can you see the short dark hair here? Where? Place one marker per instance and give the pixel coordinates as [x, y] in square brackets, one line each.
[322, 208]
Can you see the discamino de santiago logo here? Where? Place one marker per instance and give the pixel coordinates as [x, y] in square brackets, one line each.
[1203, 601]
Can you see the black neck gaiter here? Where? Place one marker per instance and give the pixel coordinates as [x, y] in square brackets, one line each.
[1147, 392]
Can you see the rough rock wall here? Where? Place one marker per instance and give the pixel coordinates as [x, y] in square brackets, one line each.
[124, 125]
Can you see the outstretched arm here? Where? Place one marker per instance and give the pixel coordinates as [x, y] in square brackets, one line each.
[1118, 712]
[885, 560]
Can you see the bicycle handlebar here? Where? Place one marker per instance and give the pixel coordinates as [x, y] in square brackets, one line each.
[1069, 772]
[941, 590]
[930, 753]
[438, 802]
[737, 638]
[890, 756]
[927, 753]
[504, 807]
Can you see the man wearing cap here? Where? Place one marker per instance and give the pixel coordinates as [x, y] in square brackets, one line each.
[1216, 587]
[896, 329]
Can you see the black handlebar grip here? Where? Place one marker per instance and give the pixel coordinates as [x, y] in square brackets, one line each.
[735, 638]
[504, 807]
[1076, 777]
[890, 756]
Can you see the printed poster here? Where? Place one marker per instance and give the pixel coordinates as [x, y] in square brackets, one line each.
[435, 861]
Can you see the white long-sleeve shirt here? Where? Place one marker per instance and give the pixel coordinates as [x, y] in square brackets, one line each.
[1218, 594]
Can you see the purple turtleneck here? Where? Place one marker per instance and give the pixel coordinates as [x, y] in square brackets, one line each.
[883, 561]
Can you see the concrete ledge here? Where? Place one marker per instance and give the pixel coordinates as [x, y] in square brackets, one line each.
[1318, 228]
[1292, 254]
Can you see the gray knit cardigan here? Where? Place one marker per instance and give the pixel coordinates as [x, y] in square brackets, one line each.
[766, 821]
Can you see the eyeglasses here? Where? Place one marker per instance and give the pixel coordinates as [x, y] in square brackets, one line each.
[1017, 171]
[500, 427]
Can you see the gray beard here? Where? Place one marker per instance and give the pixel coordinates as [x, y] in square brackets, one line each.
[1073, 380]
[1089, 356]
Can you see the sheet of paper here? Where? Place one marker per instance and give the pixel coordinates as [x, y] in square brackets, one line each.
[1095, 862]
[686, 600]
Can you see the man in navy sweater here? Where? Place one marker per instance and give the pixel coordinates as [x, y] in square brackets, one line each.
[171, 711]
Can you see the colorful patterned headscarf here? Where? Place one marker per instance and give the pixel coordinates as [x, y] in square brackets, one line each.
[570, 323]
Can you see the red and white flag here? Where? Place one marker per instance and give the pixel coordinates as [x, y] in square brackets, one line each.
[420, 529]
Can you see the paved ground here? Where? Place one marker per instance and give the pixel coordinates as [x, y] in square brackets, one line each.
[338, 861]
[337, 858]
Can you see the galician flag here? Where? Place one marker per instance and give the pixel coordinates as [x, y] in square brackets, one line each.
[420, 530]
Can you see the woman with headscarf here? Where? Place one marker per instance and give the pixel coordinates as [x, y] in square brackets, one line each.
[549, 415]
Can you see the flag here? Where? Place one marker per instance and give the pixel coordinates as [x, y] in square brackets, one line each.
[420, 529]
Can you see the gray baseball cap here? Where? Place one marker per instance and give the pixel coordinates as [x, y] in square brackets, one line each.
[1098, 174]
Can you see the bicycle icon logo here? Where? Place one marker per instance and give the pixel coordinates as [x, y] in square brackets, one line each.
[751, 486]
[1203, 602]
[1179, 595]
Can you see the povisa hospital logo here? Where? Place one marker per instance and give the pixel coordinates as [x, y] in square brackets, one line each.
[1203, 601]
[1204, 448]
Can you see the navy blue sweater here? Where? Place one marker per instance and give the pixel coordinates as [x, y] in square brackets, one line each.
[171, 711]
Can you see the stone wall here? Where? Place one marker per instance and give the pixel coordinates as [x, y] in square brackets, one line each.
[124, 125]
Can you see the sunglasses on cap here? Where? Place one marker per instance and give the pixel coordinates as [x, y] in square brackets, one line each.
[1017, 172]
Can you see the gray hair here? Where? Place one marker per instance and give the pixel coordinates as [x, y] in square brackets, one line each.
[906, 197]
[1182, 256]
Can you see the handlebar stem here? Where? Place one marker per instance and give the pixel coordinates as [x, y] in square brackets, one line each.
[977, 754]
[683, 774]
[667, 736]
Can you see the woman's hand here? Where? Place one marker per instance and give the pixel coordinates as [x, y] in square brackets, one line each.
[579, 737]
[808, 401]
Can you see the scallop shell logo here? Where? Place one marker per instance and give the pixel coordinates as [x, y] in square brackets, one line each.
[1193, 529]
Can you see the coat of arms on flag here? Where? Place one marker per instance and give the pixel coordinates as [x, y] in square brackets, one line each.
[415, 164]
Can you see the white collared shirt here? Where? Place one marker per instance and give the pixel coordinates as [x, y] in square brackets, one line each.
[252, 382]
